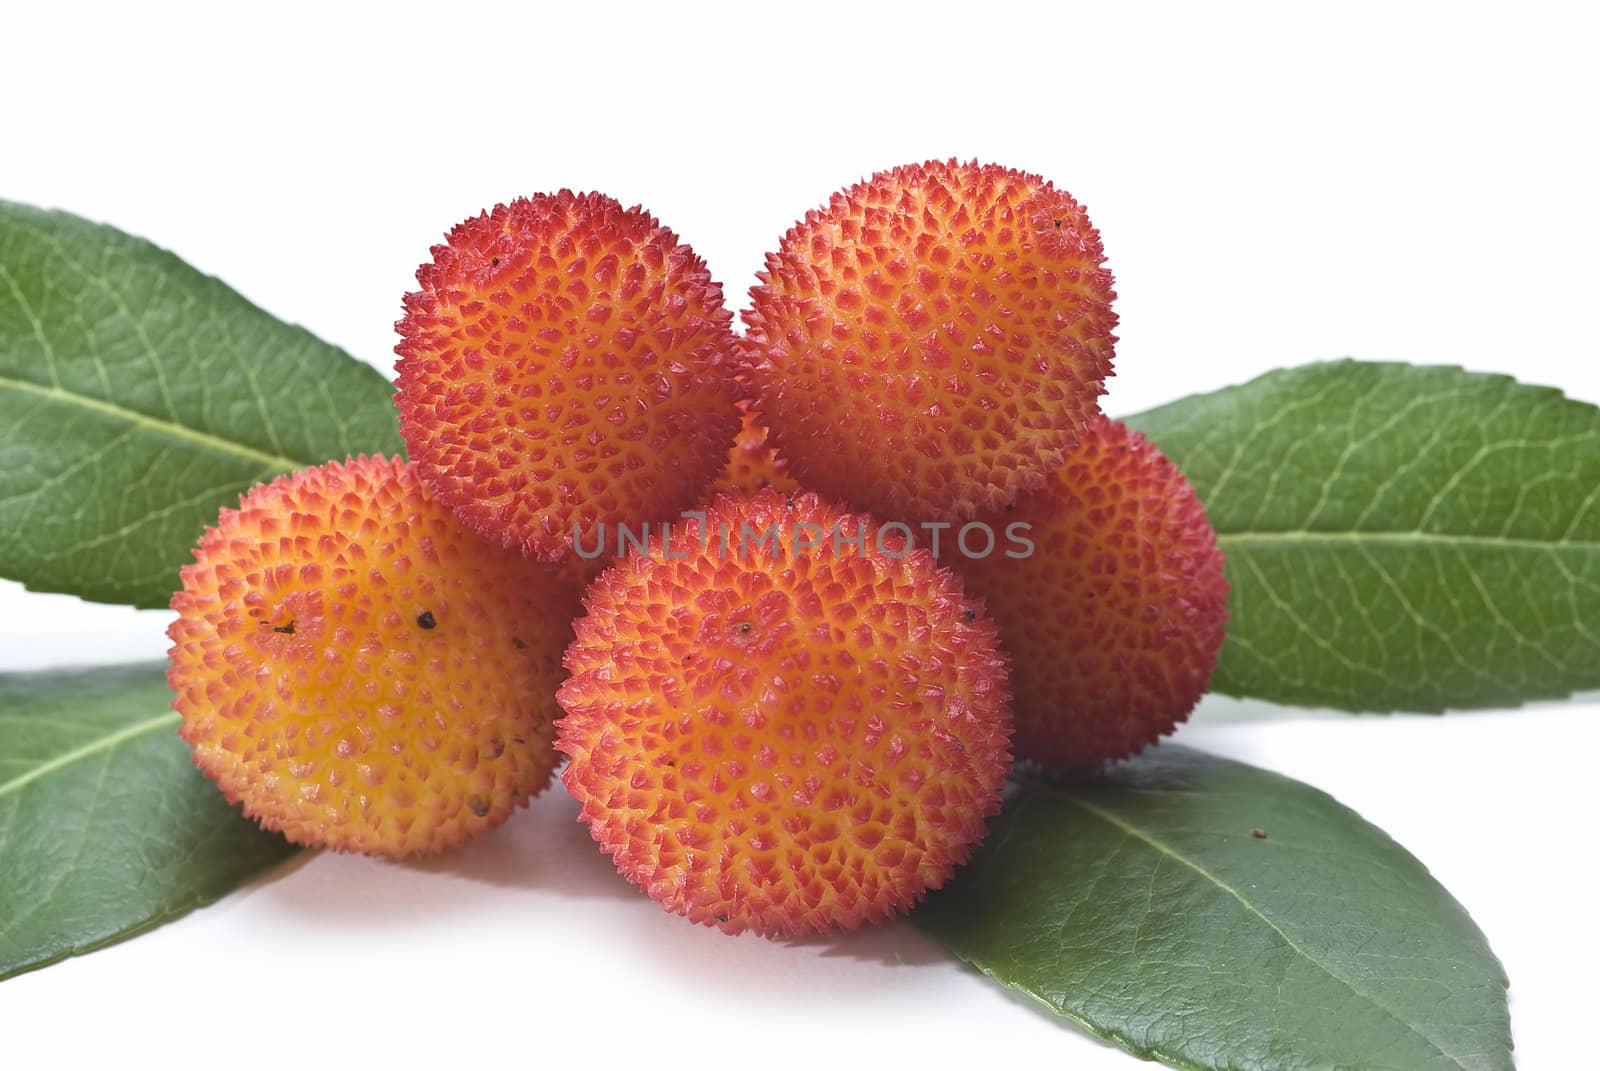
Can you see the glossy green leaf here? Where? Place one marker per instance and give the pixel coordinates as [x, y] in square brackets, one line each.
[106, 827]
[138, 396]
[1144, 906]
[1398, 536]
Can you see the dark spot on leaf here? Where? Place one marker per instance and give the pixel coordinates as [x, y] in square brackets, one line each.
[479, 805]
[1258, 833]
[425, 619]
[287, 630]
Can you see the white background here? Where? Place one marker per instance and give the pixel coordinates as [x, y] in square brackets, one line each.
[1273, 187]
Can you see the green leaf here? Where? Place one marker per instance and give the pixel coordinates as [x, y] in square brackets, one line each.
[1142, 906]
[106, 827]
[138, 396]
[1398, 537]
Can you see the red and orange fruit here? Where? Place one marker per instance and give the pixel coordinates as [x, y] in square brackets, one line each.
[565, 363]
[784, 737]
[931, 341]
[359, 670]
[1114, 620]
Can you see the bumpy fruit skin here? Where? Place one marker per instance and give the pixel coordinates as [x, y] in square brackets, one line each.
[929, 343]
[565, 362]
[1114, 622]
[362, 672]
[752, 463]
[784, 745]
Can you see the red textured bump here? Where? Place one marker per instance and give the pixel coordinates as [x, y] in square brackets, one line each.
[565, 361]
[930, 342]
[752, 463]
[784, 744]
[362, 672]
[1114, 622]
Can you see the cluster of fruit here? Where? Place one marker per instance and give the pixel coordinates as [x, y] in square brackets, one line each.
[773, 597]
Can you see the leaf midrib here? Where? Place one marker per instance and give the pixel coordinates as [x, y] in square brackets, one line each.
[1400, 538]
[1172, 853]
[155, 424]
[104, 743]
